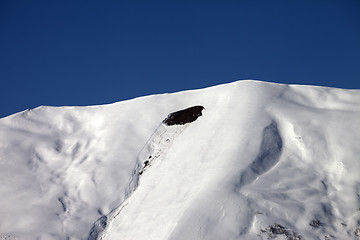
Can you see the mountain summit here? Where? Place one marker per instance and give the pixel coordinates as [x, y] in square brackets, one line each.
[245, 160]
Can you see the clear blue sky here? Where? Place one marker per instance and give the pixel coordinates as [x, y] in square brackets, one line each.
[95, 52]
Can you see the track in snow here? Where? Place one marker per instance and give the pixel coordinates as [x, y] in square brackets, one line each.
[152, 153]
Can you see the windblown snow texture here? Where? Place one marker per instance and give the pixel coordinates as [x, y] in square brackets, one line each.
[268, 157]
[265, 161]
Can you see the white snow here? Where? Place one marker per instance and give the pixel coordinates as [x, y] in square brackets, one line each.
[265, 160]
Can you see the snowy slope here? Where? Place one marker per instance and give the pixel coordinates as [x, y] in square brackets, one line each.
[264, 161]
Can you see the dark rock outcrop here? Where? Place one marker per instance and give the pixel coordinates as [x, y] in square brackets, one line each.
[184, 116]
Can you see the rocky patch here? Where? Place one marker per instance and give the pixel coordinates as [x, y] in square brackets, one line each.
[184, 116]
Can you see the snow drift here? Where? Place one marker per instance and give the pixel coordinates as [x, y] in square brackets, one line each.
[260, 161]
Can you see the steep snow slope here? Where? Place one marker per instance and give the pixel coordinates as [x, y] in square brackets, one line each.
[265, 160]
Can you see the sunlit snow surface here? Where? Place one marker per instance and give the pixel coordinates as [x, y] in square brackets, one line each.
[264, 161]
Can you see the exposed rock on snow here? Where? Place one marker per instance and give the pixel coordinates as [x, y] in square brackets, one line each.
[184, 116]
[276, 230]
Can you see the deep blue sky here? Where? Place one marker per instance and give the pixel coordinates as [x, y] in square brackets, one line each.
[95, 52]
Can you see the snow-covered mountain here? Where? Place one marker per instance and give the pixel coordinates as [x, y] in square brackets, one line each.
[262, 161]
